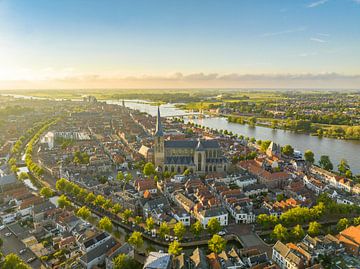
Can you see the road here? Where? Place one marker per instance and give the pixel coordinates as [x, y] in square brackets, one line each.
[11, 244]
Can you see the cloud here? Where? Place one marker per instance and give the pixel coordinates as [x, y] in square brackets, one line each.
[319, 40]
[356, 1]
[317, 3]
[324, 34]
[285, 32]
[191, 80]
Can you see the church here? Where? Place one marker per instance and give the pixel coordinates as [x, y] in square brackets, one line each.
[199, 156]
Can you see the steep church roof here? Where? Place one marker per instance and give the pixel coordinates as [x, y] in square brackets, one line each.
[159, 129]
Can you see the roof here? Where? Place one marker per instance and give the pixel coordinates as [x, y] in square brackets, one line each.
[99, 250]
[157, 260]
[352, 233]
[191, 144]
[8, 179]
[159, 130]
[45, 206]
[281, 248]
[199, 259]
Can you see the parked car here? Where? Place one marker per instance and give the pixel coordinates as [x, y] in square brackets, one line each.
[22, 250]
[8, 234]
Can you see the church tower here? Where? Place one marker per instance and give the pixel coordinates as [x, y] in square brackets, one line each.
[159, 154]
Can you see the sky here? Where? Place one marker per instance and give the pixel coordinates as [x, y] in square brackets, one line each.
[179, 43]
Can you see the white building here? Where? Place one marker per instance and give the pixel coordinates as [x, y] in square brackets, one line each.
[220, 213]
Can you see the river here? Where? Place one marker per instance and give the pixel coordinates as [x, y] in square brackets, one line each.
[335, 148]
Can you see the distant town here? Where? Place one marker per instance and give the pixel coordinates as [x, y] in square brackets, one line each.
[92, 184]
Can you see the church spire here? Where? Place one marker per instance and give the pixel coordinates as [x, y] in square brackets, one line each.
[159, 129]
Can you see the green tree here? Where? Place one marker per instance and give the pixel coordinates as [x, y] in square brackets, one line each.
[12, 261]
[325, 163]
[105, 224]
[314, 228]
[150, 223]
[343, 166]
[120, 176]
[122, 261]
[356, 221]
[116, 208]
[213, 226]
[309, 156]
[46, 192]
[297, 232]
[217, 244]
[342, 224]
[163, 229]
[149, 169]
[196, 228]
[84, 213]
[127, 214]
[90, 198]
[280, 233]
[264, 145]
[174, 248]
[63, 201]
[61, 184]
[287, 150]
[23, 176]
[138, 220]
[99, 200]
[136, 240]
[187, 172]
[179, 230]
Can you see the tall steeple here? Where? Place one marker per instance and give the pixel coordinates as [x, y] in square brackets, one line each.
[159, 129]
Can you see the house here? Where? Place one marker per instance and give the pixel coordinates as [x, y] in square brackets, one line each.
[97, 253]
[145, 185]
[157, 203]
[43, 211]
[205, 215]
[285, 257]
[198, 260]
[350, 238]
[157, 260]
[8, 182]
[95, 241]
[255, 189]
[126, 249]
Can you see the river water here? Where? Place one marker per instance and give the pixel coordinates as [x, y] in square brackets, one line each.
[336, 149]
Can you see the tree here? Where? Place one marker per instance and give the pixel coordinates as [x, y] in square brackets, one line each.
[264, 145]
[342, 224]
[138, 220]
[297, 232]
[287, 150]
[343, 166]
[187, 172]
[46, 192]
[23, 176]
[179, 230]
[127, 214]
[63, 201]
[122, 261]
[163, 229]
[356, 221]
[120, 176]
[314, 228]
[280, 233]
[213, 226]
[84, 213]
[149, 169]
[150, 223]
[116, 208]
[136, 239]
[105, 224]
[174, 248]
[99, 200]
[61, 184]
[217, 244]
[12, 261]
[325, 163]
[309, 156]
[90, 198]
[196, 228]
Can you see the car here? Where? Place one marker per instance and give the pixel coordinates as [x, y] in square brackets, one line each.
[2, 227]
[22, 250]
[8, 234]
[221, 233]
